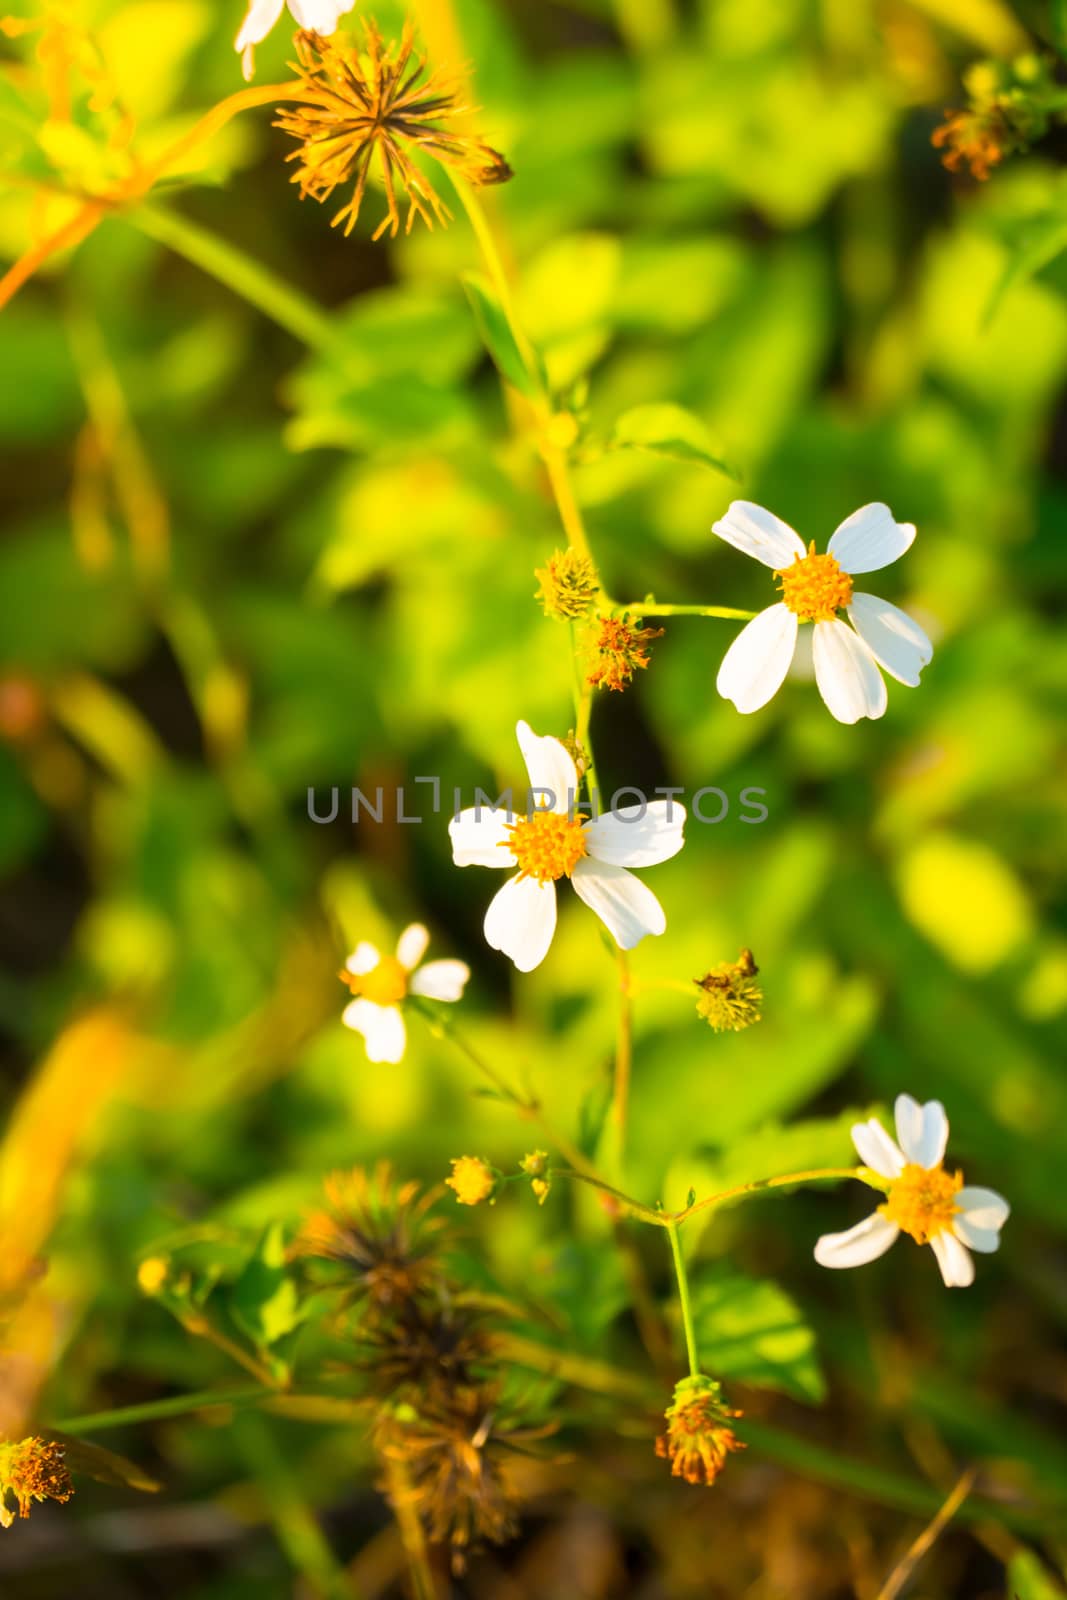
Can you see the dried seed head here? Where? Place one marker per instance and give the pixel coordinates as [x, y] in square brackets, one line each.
[729, 999]
[569, 585]
[383, 102]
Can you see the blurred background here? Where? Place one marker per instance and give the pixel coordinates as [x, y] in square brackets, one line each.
[236, 568]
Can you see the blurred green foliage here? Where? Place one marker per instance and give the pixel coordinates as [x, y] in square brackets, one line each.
[241, 564]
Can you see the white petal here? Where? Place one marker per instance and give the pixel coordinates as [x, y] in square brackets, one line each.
[870, 538]
[984, 1240]
[624, 905]
[865, 1242]
[363, 959]
[626, 838]
[759, 533]
[382, 1028]
[756, 663]
[320, 16]
[922, 1131]
[876, 1149]
[521, 921]
[441, 980]
[847, 674]
[411, 946]
[259, 20]
[891, 636]
[954, 1259]
[983, 1208]
[549, 767]
[480, 837]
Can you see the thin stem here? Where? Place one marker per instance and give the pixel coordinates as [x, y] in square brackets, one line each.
[176, 1405]
[446, 1029]
[499, 278]
[201, 1328]
[788, 1180]
[412, 1533]
[651, 608]
[674, 1219]
[683, 1300]
[624, 1050]
[138, 184]
[902, 1572]
[284, 304]
[526, 1107]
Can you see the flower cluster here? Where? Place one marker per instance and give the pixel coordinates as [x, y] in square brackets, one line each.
[439, 1423]
[1010, 106]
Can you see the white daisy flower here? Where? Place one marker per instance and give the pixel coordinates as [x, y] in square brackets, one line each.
[380, 983]
[554, 842]
[922, 1199]
[317, 16]
[814, 589]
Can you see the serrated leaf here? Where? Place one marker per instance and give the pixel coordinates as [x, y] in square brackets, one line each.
[263, 1301]
[670, 431]
[496, 334]
[749, 1329]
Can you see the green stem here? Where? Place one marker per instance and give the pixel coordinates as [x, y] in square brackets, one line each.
[789, 1180]
[444, 1028]
[674, 1219]
[683, 1300]
[650, 608]
[526, 1107]
[498, 276]
[285, 305]
[176, 1405]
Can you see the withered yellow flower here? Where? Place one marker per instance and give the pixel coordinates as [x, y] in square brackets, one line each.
[699, 1437]
[382, 101]
[31, 1469]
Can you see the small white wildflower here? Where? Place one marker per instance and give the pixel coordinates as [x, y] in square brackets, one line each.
[380, 984]
[922, 1200]
[814, 589]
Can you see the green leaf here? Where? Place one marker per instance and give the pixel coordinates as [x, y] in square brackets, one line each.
[1039, 243]
[1029, 1579]
[586, 1283]
[749, 1329]
[263, 1301]
[496, 334]
[670, 431]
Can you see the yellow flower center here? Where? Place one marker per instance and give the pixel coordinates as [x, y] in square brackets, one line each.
[383, 985]
[923, 1202]
[814, 587]
[547, 845]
